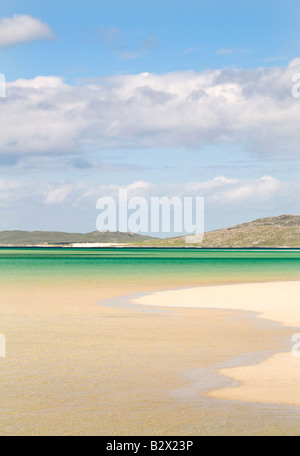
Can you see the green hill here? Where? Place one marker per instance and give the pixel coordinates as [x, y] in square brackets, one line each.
[22, 238]
[282, 231]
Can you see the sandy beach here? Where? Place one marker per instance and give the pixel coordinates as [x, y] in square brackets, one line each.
[274, 380]
[74, 367]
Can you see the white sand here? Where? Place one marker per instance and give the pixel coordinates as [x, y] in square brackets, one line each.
[279, 301]
[97, 244]
[74, 367]
[275, 380]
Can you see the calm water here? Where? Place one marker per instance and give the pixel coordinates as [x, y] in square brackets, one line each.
[157, 266]
[109, 372]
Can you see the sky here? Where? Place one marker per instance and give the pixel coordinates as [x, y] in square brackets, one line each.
[162, 98]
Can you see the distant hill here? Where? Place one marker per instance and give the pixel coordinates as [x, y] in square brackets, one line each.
[23, 238]
[281, 231]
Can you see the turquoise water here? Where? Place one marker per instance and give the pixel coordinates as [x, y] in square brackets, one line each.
[155, 266]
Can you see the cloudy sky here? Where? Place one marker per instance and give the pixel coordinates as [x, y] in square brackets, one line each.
[164, 98]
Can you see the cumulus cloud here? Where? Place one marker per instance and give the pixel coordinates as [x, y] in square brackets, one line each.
[219, 191]
[21, 29]
[253, 109]
[72, 205]
[58, 195]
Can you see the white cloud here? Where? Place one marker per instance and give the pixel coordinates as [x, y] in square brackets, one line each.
[253, 192]
[71, 206]
[250, 108]
[21, 29]
[58, 195]
[220, 191]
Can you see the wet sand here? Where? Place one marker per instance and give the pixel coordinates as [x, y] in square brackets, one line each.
[274, 380]
[74, 367]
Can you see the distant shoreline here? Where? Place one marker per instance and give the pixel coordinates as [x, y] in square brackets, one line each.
[280, 232]
[128, 247]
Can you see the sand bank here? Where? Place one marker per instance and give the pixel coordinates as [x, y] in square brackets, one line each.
[76, 368]
[279, 301]
[275, 380]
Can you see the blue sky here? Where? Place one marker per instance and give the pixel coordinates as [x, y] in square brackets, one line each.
[182, 35]
[106, 94]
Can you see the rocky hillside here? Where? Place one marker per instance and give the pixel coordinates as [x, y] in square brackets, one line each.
[281, 231]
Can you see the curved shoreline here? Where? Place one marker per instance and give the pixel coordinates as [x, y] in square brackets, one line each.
[276, 301]
[273, 379]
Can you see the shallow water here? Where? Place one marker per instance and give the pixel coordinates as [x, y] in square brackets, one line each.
[74, 367]
[153, 266]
